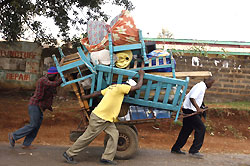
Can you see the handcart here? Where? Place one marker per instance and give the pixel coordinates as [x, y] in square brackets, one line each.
[155, 94]
[158, 98]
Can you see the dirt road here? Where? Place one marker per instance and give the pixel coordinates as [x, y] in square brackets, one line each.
[226, 141]
[227, 131]
[52, 155]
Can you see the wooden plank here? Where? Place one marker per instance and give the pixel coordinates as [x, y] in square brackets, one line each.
[71, 56]
[164, 61]
[68, 62]
[135, 64]
[119, 80]
[148, 90]
[177, 94]
[166, 96]
[108, 77]
[184, 74]
[76, 80]
[86, 106]
[71, 65]
[150, 63]
[127, 47]
[157, 63]
[62, 61]
[61, 52]
[131, 74]
[59, 69]
[150, 104]
[93, 77]
[85, 60]
[85, 102]
[99, 81]
[157, 92]
[142, 64]
[76, 92]
[138, 92]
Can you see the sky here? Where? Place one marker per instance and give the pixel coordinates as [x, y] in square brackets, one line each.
[222, 20]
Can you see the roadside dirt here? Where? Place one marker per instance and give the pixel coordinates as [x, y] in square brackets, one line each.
[227, 130]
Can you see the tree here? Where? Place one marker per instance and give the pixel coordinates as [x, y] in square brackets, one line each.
[165, 33]
[19, 16]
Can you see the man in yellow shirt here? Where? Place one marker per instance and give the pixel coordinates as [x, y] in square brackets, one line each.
[102, 119]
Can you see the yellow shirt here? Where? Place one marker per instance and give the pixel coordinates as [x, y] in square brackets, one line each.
[110, 105]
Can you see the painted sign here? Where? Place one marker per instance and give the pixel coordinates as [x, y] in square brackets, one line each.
[18, 76]
[19, 64]
[17, 54]
[23, 50]
[32, 67]
[15, 79]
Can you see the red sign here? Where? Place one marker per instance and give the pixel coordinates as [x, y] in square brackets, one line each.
[17, 54]
[32, 67]
[18, 76]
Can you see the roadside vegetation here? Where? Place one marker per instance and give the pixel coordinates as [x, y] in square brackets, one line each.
[241, 105]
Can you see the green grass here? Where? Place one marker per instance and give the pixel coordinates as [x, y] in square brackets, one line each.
[241, 105]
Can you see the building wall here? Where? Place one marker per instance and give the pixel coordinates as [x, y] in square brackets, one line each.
[19, 65]
[232, 76]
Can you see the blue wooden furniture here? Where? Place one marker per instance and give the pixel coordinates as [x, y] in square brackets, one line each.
[107, 75]
[139, 49]
[154, 82]
[79, 61]
[103, 76]
[158, 62]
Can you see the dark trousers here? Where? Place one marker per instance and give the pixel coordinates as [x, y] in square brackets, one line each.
[30, 131]
[189, 124]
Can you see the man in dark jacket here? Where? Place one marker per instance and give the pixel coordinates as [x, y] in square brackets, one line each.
[39, 102]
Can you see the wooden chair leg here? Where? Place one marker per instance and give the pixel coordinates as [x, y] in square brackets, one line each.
[76, 92]
[83, 104]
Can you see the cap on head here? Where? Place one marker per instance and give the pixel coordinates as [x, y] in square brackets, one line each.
[131, 82]
[52, 70]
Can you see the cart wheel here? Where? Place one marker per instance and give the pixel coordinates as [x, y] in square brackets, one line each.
[74, 135]
[135, 129]
[127, 142]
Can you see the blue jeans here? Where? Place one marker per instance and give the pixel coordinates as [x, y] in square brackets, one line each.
[30, 131]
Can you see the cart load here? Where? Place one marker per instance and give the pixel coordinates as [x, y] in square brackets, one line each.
[106, 62]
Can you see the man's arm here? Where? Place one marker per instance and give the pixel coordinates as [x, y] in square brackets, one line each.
[196, 105]
[53, 83]
[139, 83]
[39, 90]
[92, 95]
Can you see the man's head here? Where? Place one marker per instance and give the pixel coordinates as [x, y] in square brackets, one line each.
[52, 73]
[209, 81]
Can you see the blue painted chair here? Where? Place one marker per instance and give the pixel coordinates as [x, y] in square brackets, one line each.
[102, 76]
[79, 60]
[153, 82]
[143, 63]
[140, 47]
